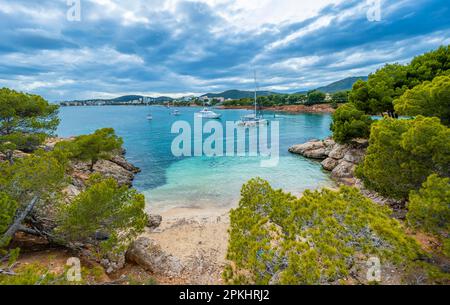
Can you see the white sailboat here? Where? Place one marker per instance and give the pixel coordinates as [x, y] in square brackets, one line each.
[253, 120]
[174, 112]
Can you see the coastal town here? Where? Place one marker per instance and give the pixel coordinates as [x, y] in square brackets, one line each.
[145, 101]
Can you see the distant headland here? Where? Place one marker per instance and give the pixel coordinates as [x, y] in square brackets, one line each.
[211, 98]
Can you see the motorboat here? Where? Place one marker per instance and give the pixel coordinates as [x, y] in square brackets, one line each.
[208, 114]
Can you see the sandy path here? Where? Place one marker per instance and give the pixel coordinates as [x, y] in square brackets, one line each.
[198, 237]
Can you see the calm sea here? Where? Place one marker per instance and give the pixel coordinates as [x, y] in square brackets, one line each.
[169, 181]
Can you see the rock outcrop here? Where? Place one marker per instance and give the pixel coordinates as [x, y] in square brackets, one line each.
[148, 254]
[116, 167]
[16, 154]
[340, 159]
[154, 221]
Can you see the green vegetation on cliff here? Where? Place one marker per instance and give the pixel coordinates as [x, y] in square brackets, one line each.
[25, 121]
[105, 216]
[428, 99]
[316, 239]
[115, 211]
[403, 153]
[377, 94]
[99, 145]
[429, 209]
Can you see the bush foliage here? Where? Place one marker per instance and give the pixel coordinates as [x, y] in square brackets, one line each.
[429, 209]
[114, 211]
[99, 145]
[278, 238]
[376, 96]
[25, 120]
[428, 99]
[403, 153]
[349, 123]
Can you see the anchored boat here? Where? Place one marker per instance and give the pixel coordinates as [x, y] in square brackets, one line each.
[253, 120]
[208, 114]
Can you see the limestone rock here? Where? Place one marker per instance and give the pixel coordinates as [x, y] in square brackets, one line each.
[354, 155]
[122, 162]
[344, 169]
[338, 151]
[110, 169]
[302, 148]
[154, 221]
[149, 255]
[50, 143]
[16, 154]
[70, 192]
[319, 153]
[329, 142]
[329, 163]
[112, 263]
[359, 143]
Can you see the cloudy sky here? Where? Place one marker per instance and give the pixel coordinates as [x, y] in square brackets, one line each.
[180, 47]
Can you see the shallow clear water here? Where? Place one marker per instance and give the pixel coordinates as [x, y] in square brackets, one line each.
[169, 181]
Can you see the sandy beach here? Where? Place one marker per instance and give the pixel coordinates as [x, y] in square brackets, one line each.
[198, 237]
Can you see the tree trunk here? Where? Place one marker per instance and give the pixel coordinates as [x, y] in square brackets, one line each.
[9, 154]
[91, 166]
[18, 221]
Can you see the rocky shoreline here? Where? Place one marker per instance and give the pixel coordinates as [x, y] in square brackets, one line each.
[188, 246]
[341, 160]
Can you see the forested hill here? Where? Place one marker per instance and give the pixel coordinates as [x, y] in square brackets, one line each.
[340, 85]
[343, 84]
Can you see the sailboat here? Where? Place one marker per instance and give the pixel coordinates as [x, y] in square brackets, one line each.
[175, 112]
[253, 120]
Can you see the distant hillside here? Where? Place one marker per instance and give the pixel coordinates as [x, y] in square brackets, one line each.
[238, 94]
[343, 84]
[340, 85]
[126, 98]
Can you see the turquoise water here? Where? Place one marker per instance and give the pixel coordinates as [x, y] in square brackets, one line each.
[169, 181]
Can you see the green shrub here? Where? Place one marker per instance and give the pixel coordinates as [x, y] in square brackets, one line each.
[115, 211]
[25, 120]
[278, 238]
[349, 122]
[99, 145]
[376, 96]
[429, 209]
[403, 153]
[428, 99]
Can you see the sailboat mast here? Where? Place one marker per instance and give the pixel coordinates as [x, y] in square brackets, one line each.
[256, 86]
